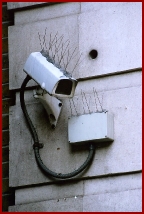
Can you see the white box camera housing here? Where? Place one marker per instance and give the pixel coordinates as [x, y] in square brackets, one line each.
[49, 77]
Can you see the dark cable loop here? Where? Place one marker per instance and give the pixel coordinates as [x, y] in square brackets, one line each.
[36, 142]
[23, 106]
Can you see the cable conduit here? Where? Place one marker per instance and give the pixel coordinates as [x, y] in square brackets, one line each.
[37, 145]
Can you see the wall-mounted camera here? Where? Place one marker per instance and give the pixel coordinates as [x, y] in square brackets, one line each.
[52, 79]
[53, 82]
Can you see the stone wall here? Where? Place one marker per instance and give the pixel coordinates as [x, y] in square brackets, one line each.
[113, 180]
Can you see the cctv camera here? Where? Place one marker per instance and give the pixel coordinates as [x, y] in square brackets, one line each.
[52, 79]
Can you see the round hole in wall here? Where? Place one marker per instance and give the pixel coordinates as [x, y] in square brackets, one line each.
[60, 104]
[93, 54]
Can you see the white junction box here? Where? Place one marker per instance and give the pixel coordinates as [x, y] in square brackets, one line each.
[94, 127]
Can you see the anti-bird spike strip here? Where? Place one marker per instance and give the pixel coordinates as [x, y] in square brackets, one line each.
[85, 103]
[57, 51]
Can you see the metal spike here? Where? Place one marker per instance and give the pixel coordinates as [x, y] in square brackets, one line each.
[43, 41]
[83, 101]
[77, 63]
[99, 100]
[40, 40]
[57, 46]
[77, 102]
[53, 56]
[74, 106]
[51, 45]
[50, 42]
[90, 105]
[70, 106]
[56, 40]
[53, 39]
[68, 60]
[86, 102]
[63, 53]
[95, 99]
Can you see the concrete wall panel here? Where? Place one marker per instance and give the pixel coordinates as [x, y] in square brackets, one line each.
[17, 5]
[110, 31]
[116, 193]
[96, 6]
[62, 205]
[47, 12]
[126, 201]
[49, 192]
[112, 184]
[123, 155]
[81, 188]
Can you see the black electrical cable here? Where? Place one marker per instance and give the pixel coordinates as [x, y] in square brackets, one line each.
[37, 144]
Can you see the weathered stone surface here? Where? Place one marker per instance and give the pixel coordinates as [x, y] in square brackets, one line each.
[113, 184]
[125, 201]
[89, 187]
[116, 193]
[121, 95]
[62, 205]
[47, 12]
[111, 32]
[16, 5]
[49, 192]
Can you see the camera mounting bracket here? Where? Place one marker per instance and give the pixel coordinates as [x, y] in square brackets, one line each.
[51, 104]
